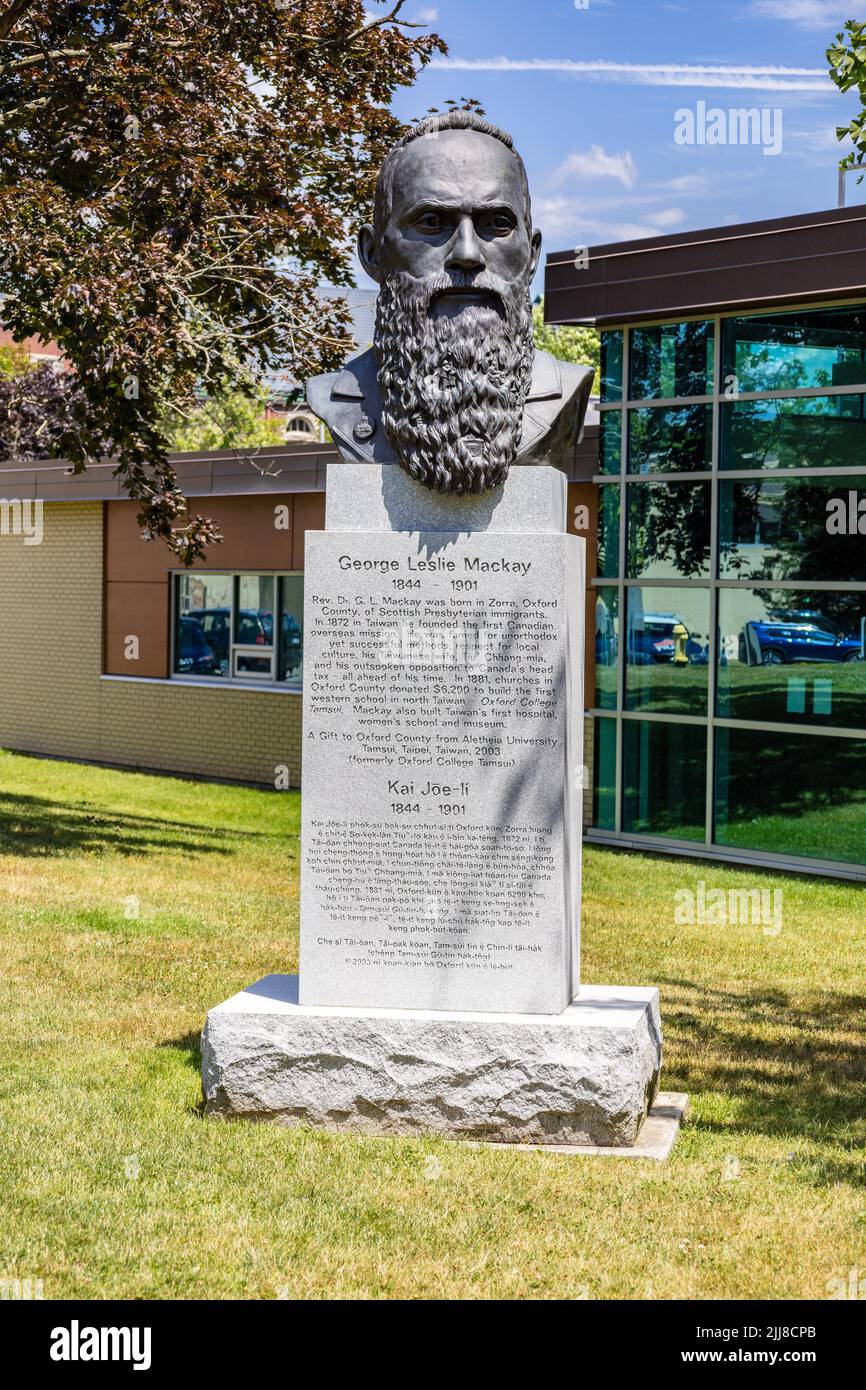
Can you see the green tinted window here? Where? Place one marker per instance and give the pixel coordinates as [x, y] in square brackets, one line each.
[667, 650]
[664, 779]
[806, 348]
[671, 359]
[611, 366]
[794, 528]
[606, 647]
[604, 779]
[791, 793]
[610, 441]
[794, 432]
[789, 656]
[669, 530]
[608, 531]
[678, 440]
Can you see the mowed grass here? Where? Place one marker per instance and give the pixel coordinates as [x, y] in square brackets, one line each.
[130, 904]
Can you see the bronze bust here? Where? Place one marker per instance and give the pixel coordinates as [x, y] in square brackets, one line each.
[453, 388]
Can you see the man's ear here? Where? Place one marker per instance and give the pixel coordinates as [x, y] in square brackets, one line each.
[536, 252]
[367, 252]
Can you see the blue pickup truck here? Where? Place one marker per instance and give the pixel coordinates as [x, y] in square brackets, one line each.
[798, 636]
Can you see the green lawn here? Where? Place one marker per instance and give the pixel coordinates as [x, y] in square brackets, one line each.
[129, 904]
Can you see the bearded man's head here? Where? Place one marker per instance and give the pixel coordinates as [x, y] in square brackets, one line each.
[454, 251]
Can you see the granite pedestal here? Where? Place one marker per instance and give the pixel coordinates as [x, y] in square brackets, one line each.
[442, 782]
[585, 1076]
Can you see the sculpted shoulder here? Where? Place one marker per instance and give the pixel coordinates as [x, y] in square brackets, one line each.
[348, 402]
[555, 411]
[576, 378]
[320, 392]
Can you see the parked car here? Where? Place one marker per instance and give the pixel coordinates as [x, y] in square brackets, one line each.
[255, 629]
[216, 626]
[652, 639]
[799, 636]
[194, 656]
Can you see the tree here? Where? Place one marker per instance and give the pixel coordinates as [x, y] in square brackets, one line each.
[40, 407]
[847, 59]
[230, 421]
[581, 344]
[175, 181]
[14, 361]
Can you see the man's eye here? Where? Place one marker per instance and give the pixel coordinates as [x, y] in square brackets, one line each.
[431, 222]
[500, 223]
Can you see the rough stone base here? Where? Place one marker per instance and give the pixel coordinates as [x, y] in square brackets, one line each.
[656, 1139]
[586, 1076]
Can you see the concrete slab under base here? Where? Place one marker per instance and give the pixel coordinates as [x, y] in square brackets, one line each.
[586, 1077]
[656, 1139]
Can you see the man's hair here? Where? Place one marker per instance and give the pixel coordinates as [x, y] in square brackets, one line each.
[431, 125]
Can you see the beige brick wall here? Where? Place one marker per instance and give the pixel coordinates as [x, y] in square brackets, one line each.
[52, 697]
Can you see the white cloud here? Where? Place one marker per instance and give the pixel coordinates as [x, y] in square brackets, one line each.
[429, 15]
[746, 76]
[687, 183]
[807, 14]
[820, 141]
[596, 163]
[666, 217]
[564, 222]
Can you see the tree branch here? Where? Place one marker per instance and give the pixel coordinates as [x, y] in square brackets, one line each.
[61, 53]
[10, 17]
[6, 117]
[80, 53]
[375, 24]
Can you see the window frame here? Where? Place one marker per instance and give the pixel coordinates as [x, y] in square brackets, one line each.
[247, 680]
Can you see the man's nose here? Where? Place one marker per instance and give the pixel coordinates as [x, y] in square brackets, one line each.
[467, 252]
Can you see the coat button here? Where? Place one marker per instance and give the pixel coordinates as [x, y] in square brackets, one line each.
[365, 429]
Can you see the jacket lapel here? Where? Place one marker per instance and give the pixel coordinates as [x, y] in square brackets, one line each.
[546, 386]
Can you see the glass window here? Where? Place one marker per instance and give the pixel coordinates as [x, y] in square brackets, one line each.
[606, 647]
[664, 779]
[794, 432]
[254, 626]
[611, 366]
[667, 650]
[678, 440]
[791, 793]
[610, 441]
[604, 779]
[794, 528]
[671, 359]
[669, 530]
[608, 532]
[291, 637]
[202, 635]
[254, 617]
[790, 644]
[792, 350]
[229, 626]
[787, 656]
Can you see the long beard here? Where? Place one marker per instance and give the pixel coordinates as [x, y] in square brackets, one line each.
[453, 389]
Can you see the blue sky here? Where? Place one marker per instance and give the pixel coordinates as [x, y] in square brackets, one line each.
[599, 141]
